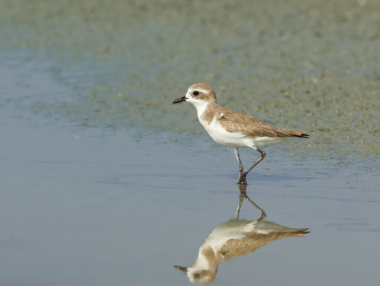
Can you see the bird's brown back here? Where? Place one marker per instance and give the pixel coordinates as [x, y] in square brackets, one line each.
[238, 247]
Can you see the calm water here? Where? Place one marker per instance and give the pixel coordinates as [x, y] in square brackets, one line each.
[104, 182]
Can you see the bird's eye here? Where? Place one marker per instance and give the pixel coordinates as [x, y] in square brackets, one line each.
[196, 93]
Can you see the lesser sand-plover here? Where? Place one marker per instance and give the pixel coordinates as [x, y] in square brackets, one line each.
[234, 129]
[235, 238]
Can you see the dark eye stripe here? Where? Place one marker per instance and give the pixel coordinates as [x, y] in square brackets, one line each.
[196, 93]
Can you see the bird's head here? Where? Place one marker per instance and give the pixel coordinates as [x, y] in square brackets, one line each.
[198, 94]
[198, 276]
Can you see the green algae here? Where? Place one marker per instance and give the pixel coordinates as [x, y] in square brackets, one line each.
[312, 65]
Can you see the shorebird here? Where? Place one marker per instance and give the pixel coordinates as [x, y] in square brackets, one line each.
[235, 238]
[234, 129]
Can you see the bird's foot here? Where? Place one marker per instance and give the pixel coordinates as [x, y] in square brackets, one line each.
[242, 178]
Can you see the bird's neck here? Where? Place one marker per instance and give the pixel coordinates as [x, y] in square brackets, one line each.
[207, 259]
[204, 107]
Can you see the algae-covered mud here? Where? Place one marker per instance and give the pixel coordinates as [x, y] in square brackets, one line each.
[311, 65]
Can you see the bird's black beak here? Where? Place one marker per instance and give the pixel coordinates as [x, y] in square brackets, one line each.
[180, 268]
[179, 100]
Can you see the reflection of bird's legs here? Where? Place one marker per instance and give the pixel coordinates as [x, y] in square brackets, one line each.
[241, 168]
[237, 213]
[263, 214]
[243, 195]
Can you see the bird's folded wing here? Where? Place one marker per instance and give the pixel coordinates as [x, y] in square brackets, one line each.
[253, 127]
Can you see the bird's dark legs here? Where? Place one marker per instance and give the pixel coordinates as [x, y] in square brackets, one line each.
[243, 195]
[241, 168]
[263, 154]
[242, 180]
[242, 175]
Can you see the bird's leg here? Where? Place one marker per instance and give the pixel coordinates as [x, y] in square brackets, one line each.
[242, 177]
[241, 168]
[243, 195]
[242, 180]
[263, 154]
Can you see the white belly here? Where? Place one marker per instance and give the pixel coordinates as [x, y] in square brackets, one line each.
[223, 137]
[262, 142]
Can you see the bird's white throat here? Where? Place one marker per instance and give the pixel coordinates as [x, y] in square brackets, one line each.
[200, 105]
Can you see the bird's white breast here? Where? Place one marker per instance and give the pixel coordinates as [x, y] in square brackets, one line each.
[223, 137]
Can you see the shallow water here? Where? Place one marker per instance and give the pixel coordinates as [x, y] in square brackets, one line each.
[103, 181]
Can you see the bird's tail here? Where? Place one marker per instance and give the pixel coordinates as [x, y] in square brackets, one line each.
[291, 133]
[302, 135]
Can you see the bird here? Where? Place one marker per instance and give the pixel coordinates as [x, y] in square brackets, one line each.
[234, 129]
[234, 238]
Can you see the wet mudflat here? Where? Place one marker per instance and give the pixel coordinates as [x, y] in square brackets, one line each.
[104, 182]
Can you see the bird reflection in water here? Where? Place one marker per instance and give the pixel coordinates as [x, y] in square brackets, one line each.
[234, 238]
